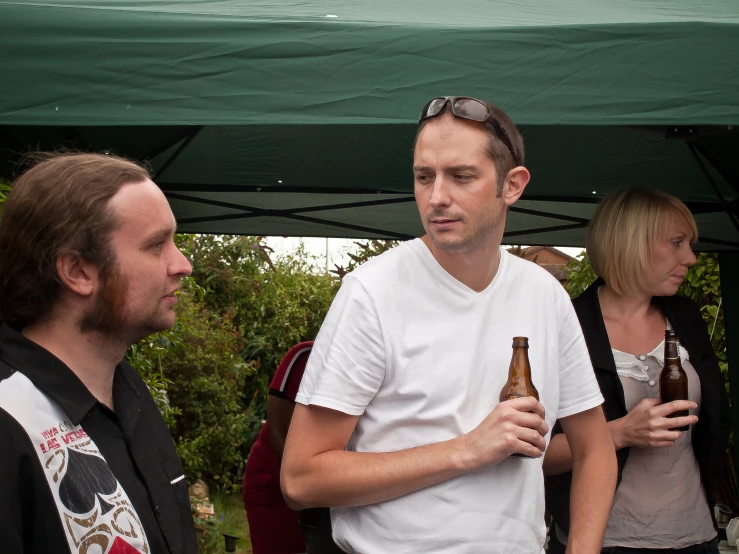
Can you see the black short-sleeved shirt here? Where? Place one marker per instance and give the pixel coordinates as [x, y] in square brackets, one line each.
[73, 473]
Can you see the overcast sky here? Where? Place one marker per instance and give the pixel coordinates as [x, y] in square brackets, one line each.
[337, 248]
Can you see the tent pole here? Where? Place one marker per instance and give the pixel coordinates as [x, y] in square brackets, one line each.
[717, 192]
[718, 242]
[162, 148]
[75, 139]
[184, 144]
[716, 166]
[729, 272]
[378, 233]
[539, 213]
[552, 229]
[729, 268]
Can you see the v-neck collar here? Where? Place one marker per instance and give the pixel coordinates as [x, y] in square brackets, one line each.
[441, 273]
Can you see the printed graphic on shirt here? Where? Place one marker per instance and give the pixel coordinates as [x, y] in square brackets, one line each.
[96, 513]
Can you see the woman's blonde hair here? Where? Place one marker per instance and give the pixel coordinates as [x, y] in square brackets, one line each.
[623, 230]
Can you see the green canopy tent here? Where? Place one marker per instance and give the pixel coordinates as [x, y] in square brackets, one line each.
[287, 117]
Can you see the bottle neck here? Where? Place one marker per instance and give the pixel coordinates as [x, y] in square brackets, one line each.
[671, 350]
[520, 360]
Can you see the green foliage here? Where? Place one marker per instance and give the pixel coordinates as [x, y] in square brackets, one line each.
[146, 358]
[207, 378]
[196, 374]
[581, 275]
[703, 285]
[366, 250]
[275, 303]
[240, 312]
[229, 518]
[4, 190]
[206, 528]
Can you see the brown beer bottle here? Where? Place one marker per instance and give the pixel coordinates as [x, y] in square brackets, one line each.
[519, 382]
[673, 381]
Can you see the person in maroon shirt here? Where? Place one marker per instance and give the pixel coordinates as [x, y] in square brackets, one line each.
[275, 528]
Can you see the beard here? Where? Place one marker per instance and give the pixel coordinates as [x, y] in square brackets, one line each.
[475, 236]
[108, 316]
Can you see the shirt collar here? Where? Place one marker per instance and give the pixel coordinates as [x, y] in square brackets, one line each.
[47, 372]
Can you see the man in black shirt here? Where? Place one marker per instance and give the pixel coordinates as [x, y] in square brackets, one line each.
[88, 266]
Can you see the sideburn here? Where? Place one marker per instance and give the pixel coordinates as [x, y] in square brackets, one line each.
[107, 314]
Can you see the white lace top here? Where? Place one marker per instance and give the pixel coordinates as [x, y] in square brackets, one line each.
[636, 366]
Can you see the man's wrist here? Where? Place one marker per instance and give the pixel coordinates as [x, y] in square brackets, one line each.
[461, 459]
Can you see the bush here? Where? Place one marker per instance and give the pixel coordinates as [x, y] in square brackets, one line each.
[581, 275]
[196, 375]
[703, 285]
[365, 251]
[239, 314]
[207, 377]
[274, 304]
[4, 190]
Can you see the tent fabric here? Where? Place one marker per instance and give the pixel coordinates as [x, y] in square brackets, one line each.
[226, 62]
[270, 117]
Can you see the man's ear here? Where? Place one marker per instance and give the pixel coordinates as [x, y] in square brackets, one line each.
[77, 274]
[515, 183]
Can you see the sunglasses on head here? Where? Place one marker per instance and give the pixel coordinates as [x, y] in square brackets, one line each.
[472, 109]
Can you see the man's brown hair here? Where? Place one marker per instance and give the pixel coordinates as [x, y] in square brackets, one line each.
[496, 148]
[60, 204]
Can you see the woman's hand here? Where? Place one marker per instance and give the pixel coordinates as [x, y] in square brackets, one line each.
[647, 425]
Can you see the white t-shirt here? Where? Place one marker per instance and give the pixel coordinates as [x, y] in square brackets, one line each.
[422, 358]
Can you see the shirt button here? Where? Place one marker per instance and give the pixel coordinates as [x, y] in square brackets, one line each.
[642, 357]
[651, 383]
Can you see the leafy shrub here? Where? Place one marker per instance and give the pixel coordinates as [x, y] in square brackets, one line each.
[365, 251]
[4, 190]
[239, 313]
[274, 304]
[196, 374]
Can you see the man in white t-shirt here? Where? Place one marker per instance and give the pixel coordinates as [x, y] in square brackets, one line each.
[397, 425]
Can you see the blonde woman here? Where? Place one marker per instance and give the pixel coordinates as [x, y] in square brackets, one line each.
[639, 244]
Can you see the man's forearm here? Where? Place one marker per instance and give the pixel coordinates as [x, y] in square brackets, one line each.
[317, 471]
[558, 458]
[340, 478]
[593, 486]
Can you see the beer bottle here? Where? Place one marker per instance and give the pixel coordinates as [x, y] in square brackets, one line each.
[673, 381]
[519, 382]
